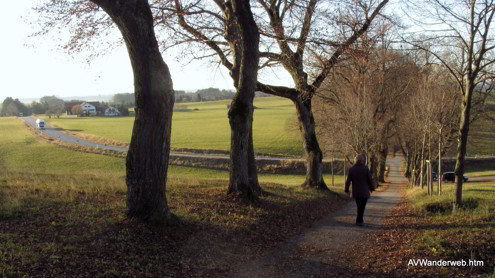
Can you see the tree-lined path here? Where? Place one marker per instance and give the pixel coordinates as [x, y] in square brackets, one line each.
[313, 252]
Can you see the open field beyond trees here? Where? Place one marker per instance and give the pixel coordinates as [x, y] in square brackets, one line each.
[275, 129]
[482, 136]
[62, 212]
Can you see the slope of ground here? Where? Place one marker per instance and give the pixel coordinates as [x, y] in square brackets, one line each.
[207, 127]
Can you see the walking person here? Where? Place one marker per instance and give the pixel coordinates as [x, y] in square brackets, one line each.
[362, 186]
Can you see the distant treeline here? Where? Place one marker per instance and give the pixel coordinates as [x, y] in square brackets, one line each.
[52, 105]
[209, 94]
[55, 105]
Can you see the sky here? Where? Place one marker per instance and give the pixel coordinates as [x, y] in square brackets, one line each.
[36, 67]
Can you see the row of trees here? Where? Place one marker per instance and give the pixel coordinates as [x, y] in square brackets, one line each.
[327, 47]
[46, 105]
[287, 35]
[54, 106]
[406, 91]
[208, 94]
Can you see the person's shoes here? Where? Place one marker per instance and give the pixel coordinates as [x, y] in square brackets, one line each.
[359, 223]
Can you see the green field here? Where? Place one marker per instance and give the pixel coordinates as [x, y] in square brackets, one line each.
[467, 233]
[21, 152]
[481, 141]
[49, 194]
[207, 127]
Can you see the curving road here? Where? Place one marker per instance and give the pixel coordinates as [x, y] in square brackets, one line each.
[57, 133]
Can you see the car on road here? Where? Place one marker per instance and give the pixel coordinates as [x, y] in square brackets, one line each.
[450, 176]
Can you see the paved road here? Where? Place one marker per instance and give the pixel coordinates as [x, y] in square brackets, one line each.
[57, 133]
[313, 252]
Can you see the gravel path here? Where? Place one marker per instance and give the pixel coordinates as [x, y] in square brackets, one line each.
[312, 252]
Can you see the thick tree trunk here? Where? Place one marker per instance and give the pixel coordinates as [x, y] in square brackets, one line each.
[312, 151]
[462, 142]
[147, 158]
[252, 167]
[240, 118]
[243, 178]
[382, 162]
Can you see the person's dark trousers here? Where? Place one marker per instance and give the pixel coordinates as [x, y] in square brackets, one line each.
[361, 204]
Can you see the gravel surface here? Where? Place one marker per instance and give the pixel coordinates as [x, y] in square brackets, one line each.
[312, 252]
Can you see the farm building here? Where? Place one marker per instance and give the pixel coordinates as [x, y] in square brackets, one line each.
[112, 111]
[88, 109]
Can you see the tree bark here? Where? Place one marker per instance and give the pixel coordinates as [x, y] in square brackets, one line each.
[439, 174]
[241, 110]
[147, 158]
[313, 153]
[421, 176]
[382, 162]
[312, 150]
[462, 142]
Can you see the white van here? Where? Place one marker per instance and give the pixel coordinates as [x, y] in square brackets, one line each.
[40, 124]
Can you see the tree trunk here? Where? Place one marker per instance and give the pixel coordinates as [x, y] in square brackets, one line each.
[313, 153]
[382, 162]
[408, 168]
[462, 142]
[439, 174]
[374, 170]
[421, 180]
[241, 110]
[147, 158]
[252, 168]
[430, 165]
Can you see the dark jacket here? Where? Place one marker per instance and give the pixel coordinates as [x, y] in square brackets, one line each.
[362, 183]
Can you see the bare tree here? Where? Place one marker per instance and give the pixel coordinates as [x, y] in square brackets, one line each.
[147, 158]
[465, 34]
[291, 33]
[241, 109]
[362, 98]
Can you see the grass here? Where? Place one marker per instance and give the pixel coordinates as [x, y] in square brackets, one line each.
[62, 213]
[482, 137]
[425, 227]
[207, 127]
[481, 173]
[466, 233]
[21, 152]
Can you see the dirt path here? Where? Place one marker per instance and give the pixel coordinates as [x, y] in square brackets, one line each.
[312, 252]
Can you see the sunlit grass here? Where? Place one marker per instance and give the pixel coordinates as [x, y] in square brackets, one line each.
[481, 141]
[207, 127]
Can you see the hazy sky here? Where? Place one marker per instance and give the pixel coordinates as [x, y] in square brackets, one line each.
[44, 69]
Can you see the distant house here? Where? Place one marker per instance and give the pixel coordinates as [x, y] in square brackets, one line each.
[88, 109]
[112, 111]
[69, 105]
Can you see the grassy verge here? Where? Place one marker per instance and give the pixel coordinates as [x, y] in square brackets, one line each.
[62, 213]
[425, 228]
[481, 173]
